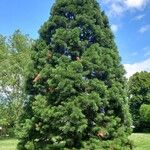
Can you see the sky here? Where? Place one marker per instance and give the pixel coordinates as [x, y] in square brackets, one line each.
[129, 20]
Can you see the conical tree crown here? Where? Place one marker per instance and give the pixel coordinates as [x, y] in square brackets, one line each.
[76, 87]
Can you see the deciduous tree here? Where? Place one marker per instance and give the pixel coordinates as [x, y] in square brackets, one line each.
[139, 94]
[15, 56]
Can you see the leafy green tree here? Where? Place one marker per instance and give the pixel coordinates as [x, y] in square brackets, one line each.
[145, 116]
[76, 86]
[15, 56]
[139, 94]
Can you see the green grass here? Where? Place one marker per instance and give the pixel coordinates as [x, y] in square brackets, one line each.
[141, 141]
[8, 144]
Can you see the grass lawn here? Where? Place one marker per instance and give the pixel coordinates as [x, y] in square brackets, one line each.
[8, 144]
[141, 141]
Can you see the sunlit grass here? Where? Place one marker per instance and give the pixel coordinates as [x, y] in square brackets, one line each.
[8, 144]
[141, 141]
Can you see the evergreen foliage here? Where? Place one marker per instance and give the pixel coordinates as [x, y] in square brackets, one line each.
[76, 86]
[139, 94]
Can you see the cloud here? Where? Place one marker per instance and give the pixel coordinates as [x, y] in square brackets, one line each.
[147, 54]
[139, 17]
[144, 29]
[138, 4]
[137, 67]
[134, 54]
[118, 7]
[146, 51]
[114, 28]
[115, 8]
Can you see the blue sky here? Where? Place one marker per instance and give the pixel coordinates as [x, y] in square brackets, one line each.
[129, 19]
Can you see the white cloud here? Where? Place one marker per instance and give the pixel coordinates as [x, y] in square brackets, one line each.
[118, 7]
[144, 29]
[134, 54]
[139, 17]
[146, 51]
[114, 28]
[137, 67]
[138, 4]
[147, 54]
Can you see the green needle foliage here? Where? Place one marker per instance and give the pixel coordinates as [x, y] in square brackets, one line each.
[76, 86]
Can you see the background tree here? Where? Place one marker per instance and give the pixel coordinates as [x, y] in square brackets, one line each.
[14, 59]
[139, 94]
[145, 116]
[76, 86]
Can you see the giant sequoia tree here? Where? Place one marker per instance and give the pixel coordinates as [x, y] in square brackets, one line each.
[76, 87]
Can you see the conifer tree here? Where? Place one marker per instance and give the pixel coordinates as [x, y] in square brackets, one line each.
[76, 87]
